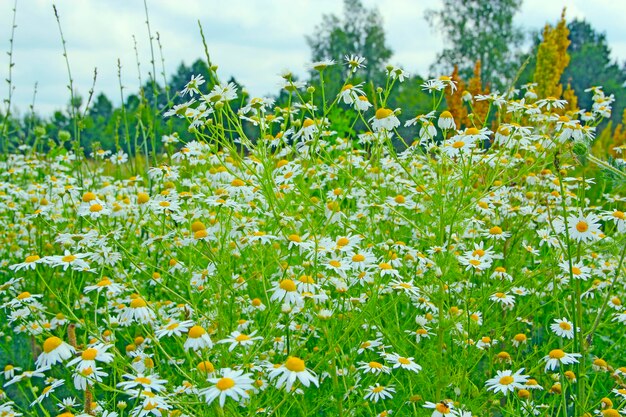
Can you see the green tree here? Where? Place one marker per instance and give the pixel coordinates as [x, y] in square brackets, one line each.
[591, 65]
[478, 30]
[359, 32]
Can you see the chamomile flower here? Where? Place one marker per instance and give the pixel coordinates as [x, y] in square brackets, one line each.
[240, 339]
[373, 367]
[294, 369]
[198, 339]
[384, 120]
[354, 62]
[563, 328]
[55, 351]
[557, 357]
[443, 408]
[584, 228]
[286, 291]
[138, 311]
[377, 392]
[506, 381]
[402, 362]
[232, 383]
[173, 328]
[151, 383]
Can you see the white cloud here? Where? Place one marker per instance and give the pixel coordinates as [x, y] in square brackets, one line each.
[250, 39]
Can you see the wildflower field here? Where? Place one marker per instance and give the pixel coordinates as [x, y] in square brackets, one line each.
[288, 261]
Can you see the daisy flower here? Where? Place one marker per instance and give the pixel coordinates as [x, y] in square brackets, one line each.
[618, 217]
[557, 357]
[286, 292]
[441, 409]
[240, 339]
[446, 121]
[384, 119]
[150, 383]
[402, 362]
[506, 381]
[354, 62]
[48, 389]
[87, 376]
[293, 369]
[173, 328]
[97, 352]
[138, 311]
[507, 300]
[197, 339]
[579, 270]
[373, 367]
[30, 262]
[68, 260]
[379, 392]
[584, 228]
[54, 351]
[349, 93]
[232, 383]
[563, 328]
[105, 284]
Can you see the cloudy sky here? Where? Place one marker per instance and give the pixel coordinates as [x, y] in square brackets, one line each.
[254, 40]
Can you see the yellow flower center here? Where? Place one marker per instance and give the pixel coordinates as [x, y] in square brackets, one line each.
[404, 361]
[68, 258]
[384, 265]
[295, 364]
[458, 144]
[94, 208]
[343, 241]
[383, 113]
[294, 238]
[495, 230]
[506, 380]
[51, 344]
[556, 354]
[358, 258]
[32, 258]
[378, 389]
[138, 303]
[143, 380]
[206, 366]
[196, 332]
[225, 383]
[375, 365]
[23, 296]
[565, 326]
[582, 226]
[242, 338]
[287, 285]
[89, 354]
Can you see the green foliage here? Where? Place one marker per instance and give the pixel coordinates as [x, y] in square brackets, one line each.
[359, 32]
[478, 30]
[591, 65]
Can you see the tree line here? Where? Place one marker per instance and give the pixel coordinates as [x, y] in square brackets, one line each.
[484, 52]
